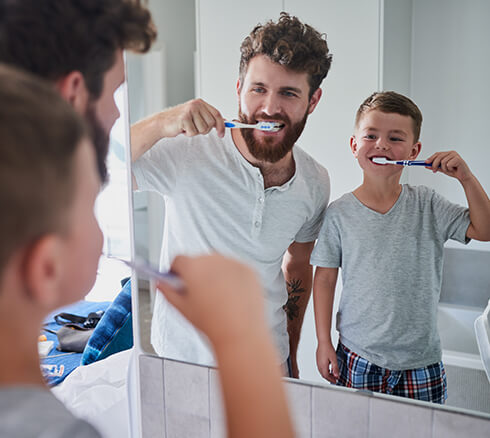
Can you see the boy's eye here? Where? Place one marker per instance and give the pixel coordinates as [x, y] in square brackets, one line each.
[370, 137]
[395, 139]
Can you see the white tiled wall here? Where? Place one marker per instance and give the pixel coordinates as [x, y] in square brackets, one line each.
[186, 389]
[183, 400]
[339, 413]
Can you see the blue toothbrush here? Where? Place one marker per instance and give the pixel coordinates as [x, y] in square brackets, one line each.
[382, 160]
[263, 126]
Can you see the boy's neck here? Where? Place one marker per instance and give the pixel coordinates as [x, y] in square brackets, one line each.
[20, 365]
[379, 194]
[20, 325]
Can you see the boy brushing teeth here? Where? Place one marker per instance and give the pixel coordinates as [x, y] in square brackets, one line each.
[388, 239]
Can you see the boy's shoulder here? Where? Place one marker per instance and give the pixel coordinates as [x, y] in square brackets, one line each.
[345, 200]
[420, 190]
[421, 194]
[341, 206]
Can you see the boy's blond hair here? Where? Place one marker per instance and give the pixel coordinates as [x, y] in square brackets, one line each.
[392, 102]
[39, 137]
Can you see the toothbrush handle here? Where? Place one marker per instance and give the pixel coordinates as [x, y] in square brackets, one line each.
[416, 163]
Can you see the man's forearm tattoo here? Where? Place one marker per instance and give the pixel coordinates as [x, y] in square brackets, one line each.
[294, 294]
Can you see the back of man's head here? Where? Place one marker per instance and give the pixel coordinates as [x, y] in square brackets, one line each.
[39, 136]
[291, 43]
[53, 38]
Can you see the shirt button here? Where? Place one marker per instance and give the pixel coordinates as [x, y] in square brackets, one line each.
[257, 224]
[261, 199]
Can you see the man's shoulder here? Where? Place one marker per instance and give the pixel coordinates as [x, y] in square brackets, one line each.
[309, 165]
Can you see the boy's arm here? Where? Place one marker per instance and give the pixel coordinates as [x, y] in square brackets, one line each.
[251, 382]
[453, 165]
[323, 295]
[298, 274]
[191, 118]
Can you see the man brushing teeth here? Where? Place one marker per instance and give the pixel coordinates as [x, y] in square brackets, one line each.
[243, 192]
[269, 91]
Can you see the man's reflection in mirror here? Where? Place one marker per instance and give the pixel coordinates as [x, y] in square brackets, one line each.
[243, 192]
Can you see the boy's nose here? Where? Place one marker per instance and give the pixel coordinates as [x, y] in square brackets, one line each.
[382, 144]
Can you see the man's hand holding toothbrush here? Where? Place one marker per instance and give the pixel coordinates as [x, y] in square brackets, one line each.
[195, 117]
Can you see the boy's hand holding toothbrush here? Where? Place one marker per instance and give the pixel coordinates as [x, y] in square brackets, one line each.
[450, 163]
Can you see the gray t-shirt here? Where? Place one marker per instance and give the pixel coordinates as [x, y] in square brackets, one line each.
[391, 273]
[31, 411]
[215, 201]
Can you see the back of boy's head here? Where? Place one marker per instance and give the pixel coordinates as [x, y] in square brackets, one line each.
[392, 102]
[39, 136]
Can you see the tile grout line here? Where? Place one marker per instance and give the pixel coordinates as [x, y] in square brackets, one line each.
[164, 404]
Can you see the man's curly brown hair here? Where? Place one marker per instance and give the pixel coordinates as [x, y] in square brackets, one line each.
[290, 43]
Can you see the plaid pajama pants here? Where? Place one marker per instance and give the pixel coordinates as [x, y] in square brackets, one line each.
[427, 383]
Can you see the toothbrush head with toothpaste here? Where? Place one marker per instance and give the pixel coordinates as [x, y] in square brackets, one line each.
[262, 126]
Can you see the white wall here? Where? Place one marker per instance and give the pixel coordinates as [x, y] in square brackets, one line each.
[451, 85]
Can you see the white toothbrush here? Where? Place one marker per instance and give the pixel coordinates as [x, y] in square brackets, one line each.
[143, 267]
[382, 160]
[263, 126]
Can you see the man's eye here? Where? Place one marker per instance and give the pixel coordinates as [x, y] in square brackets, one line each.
[258, 90]
[288, 94]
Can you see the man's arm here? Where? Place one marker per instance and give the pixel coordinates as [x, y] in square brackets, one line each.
[194, 117]
[298, 275]
[323, 296]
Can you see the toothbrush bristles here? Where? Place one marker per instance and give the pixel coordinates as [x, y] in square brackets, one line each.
[269, 126]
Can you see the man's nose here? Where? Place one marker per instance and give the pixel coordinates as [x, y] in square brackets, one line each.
[271, 104]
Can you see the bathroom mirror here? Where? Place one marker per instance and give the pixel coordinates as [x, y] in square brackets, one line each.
[431, 51]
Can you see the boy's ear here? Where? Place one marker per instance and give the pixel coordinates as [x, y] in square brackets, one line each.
[415, 150]
[353, 145]
[42, 270]
[315, 98]
[73, 89]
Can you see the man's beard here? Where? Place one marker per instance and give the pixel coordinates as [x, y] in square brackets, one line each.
[100, 138]
[267, 148]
